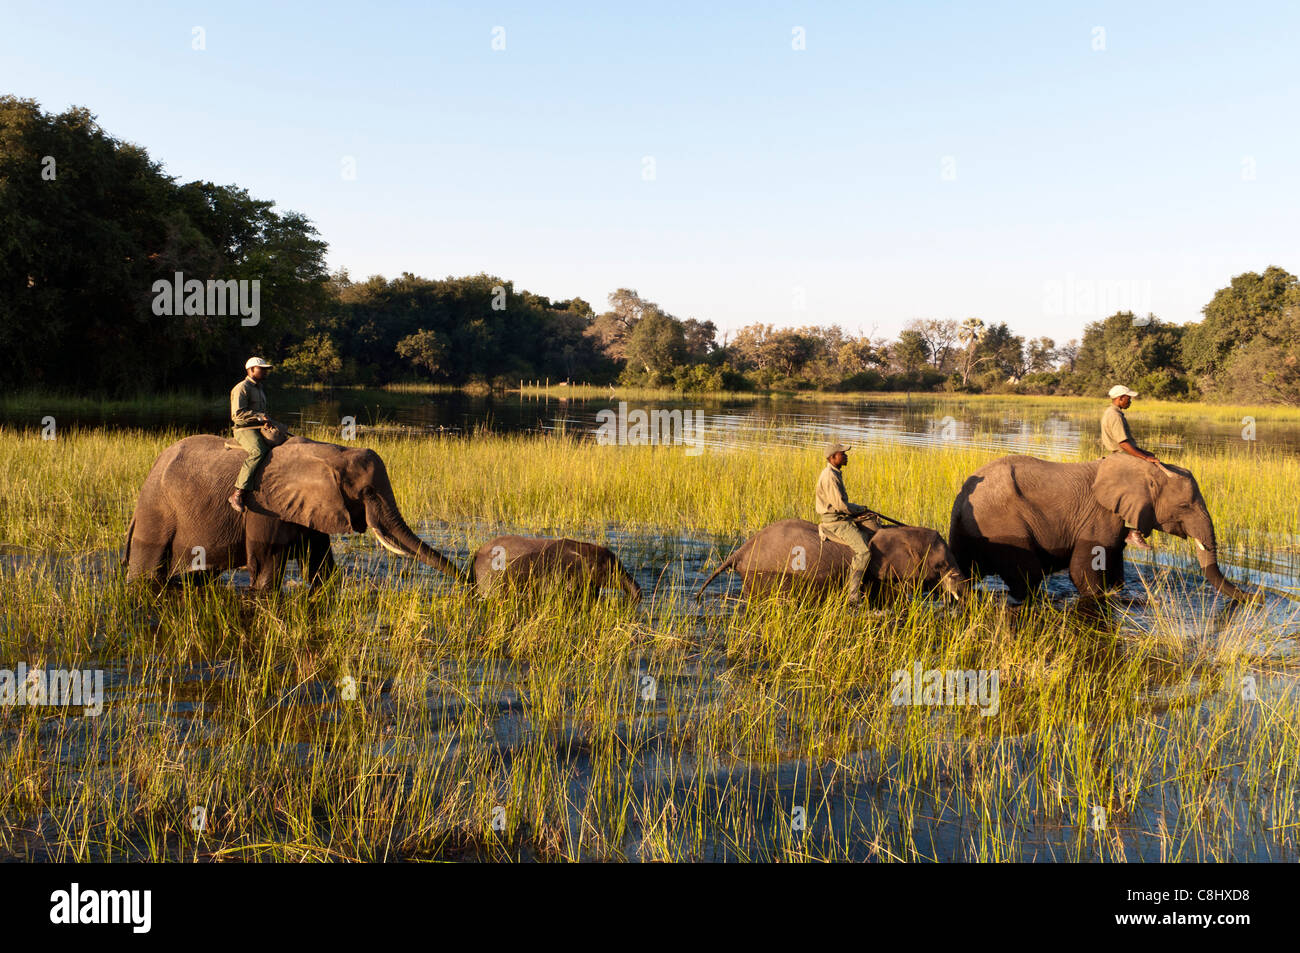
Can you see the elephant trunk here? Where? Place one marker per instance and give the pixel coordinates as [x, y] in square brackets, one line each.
[1214, 575]
[1201, 534]
[628, 584]
[954, 585]
[388, 526]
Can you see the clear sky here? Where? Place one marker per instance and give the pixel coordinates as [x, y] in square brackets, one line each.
[913, 160]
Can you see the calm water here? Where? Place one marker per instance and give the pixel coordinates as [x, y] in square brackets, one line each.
[1008, 426]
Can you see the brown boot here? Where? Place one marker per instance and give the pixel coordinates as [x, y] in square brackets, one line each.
[1135, 540]
[236, 501]
[855, 587]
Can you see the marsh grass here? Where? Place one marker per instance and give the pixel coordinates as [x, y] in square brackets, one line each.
[544, 727]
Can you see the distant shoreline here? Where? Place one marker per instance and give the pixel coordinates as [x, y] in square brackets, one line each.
[22, 406]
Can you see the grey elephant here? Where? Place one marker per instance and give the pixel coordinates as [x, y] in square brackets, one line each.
[526, 561]
[789, 554]
[1021, 518]
[306, 491]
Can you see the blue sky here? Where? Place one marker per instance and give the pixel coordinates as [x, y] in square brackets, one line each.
[914, 160]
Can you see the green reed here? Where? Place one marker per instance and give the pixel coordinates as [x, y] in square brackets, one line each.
[405, 718]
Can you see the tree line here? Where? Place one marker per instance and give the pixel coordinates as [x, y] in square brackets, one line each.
[89, 225]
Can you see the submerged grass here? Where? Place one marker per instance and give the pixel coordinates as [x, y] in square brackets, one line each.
[393, 716]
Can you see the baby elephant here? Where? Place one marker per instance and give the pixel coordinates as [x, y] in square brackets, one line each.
[789, 554]
[514, 561]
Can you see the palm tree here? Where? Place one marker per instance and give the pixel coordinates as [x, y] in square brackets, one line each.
[969, 333]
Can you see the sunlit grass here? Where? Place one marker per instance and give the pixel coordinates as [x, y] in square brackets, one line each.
[601, 730]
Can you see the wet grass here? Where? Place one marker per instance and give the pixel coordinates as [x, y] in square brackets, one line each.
[393, 716]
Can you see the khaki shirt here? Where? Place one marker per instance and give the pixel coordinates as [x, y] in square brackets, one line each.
[832, 502]
[1114, 429]
[247, 400]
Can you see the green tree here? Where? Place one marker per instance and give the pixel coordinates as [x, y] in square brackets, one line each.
[426, 349]
[655, 346]
[1041, 355]
[313, 359]
[910, 352]
[1248, 310]
[1126, 349]
[88, 224]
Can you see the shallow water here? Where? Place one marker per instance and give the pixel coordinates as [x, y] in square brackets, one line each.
[946, 828]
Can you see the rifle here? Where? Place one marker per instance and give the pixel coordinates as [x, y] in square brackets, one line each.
[881, 517]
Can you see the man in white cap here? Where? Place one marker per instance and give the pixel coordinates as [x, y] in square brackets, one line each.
[839, 519]
[247, 414]
[1116, 437]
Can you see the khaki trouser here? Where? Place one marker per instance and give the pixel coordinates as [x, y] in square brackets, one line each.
[856, 538]
[250, 438]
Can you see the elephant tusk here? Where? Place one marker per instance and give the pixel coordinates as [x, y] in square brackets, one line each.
[1199, 544]
[391, 547]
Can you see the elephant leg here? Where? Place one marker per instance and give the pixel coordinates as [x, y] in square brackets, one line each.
[1112, 577]
[198, 577]
[149, 561]
[319, 564]
[149, 547]
[266, 567]
[1094, 569]
[1019, 569]
[1086, 574]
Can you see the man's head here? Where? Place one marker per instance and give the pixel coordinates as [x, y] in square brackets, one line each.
[257, 368]
[837, 454]
[1121, 396]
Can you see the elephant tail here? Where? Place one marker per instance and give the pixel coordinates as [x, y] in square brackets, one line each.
[727, 563]
[958, 542]
[130, 532]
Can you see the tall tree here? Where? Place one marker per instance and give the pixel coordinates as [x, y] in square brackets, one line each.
[1250, 307]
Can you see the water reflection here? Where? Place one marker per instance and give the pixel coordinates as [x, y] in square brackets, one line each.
[1010, 425]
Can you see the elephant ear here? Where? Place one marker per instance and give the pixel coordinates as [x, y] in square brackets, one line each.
[1125, 486]
[304, 489]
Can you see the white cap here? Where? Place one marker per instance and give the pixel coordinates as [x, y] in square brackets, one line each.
[256, 362]
[834, 448]
[1119, 390]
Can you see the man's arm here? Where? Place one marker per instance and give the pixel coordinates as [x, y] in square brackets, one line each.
[1133, 450]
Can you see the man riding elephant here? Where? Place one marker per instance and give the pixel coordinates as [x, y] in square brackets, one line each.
[848, 523]
[247, 415]
[1116, 437]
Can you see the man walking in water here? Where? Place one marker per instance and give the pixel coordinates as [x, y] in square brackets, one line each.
[838, 518]
[247, 414]
[1116, 437]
